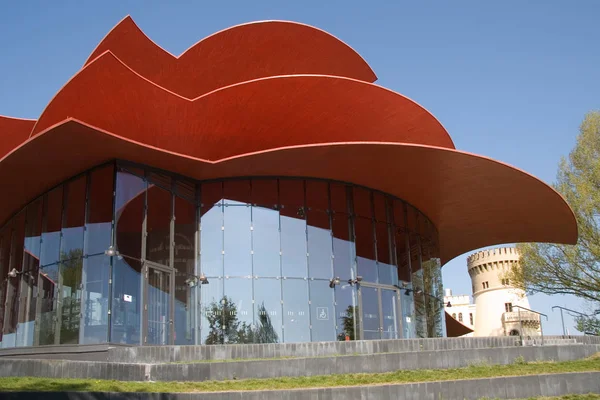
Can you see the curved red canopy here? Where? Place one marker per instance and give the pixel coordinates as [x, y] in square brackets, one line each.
[296, 103]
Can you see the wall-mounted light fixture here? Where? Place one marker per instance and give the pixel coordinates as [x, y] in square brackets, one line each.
[355, 281]
[334, 281]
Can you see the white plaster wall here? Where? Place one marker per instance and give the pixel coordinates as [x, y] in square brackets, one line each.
[490, 307]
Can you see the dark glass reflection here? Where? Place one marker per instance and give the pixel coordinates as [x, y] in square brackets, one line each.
[158, 225]
[100, 210]
[267, 311]
[50, 246]
[71, 245]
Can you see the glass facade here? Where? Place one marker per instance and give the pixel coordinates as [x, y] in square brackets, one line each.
[127, 254]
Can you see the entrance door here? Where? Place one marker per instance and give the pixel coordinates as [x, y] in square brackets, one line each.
[379, 312]
[158, 318]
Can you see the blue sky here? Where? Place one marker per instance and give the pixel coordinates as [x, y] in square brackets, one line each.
[508, 79]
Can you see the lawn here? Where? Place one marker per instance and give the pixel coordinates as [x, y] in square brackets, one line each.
[518, 368]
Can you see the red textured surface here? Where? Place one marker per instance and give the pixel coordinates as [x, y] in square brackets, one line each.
[252, 116]
[237, 54]
[473, 201]
[13, 132]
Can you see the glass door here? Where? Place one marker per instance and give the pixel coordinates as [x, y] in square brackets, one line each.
[158, 319]
[370, 313]
[379, 312]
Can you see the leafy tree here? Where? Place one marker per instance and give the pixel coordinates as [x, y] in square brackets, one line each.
[225, 328]
[562, 269]
[348, 324]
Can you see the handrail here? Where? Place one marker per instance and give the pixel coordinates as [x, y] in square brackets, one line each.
[562, 319]
[519, 308]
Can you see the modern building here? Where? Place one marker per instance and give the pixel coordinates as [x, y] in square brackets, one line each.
[257, 188]
[460, 308]
[500, 308]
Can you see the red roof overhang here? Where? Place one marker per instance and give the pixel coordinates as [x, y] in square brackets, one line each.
[473, 201]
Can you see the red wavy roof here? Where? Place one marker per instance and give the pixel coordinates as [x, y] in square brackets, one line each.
[295, 110]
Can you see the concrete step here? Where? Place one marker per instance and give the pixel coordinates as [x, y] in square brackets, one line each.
[158, 354]
[509, 387]
[548, 342]
[300, 366]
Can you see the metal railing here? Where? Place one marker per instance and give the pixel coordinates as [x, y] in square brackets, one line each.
[519, 308]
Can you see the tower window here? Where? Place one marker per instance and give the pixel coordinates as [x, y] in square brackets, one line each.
[471, 318]
[454, 315]
[459, 317]
[508, 307]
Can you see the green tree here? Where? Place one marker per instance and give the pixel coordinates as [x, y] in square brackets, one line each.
[562, 269]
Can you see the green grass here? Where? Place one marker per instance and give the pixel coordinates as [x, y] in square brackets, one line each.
[473, 372]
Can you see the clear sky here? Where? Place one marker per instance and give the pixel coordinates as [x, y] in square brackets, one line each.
[508, 79]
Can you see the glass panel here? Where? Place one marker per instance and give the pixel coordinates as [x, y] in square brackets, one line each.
[347, 312]
[158, 179]
[31, 265]
[267, 311]
[418, 286]
[184, 258]
[265, 242]
[343, 248]
[388, 274]
[370, 312]
[339, 201]
[264, 193]
[14, 284]
[237, 240]
[362, 202]
[185, 189]
[94, 302]
[402, 256]
[237, 192]
[47, 298]
[52, 225]
[296, 314]
[129, 216]
[211, 234]
[69, 306]
[71, 244]
[127, 301]
[317, 196]
[380, 207]
[237, 322]
[159, 307]
[213, 307]
[322, 312]
[408, 313]
[5, 237]
[319, 245]
[159, 225]
[293, 247]
[100, 211]
[365, 251]
[389, 310]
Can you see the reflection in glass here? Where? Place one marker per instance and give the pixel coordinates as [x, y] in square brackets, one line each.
[346, 312]
[71, 243]
[237, 240]
[48, 298]
[51, 228]
[265, 242]
[100, 210]
[159, 307]
[130, 204]
[319, 245]
[389, 313]
[127, 301]
[29, 278]
[408, 313]
[213, 307]
[322, 312]
[296, 315]
[388, 273]
[267, 311]
[69, 309]
[370, 312]
[94, 300]
[293, 247]
[365, 250]
[343, 248]
[14, 284]
[211, 240]
[237, 322]
[184, 263]
[158, 225]
[5, 236]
